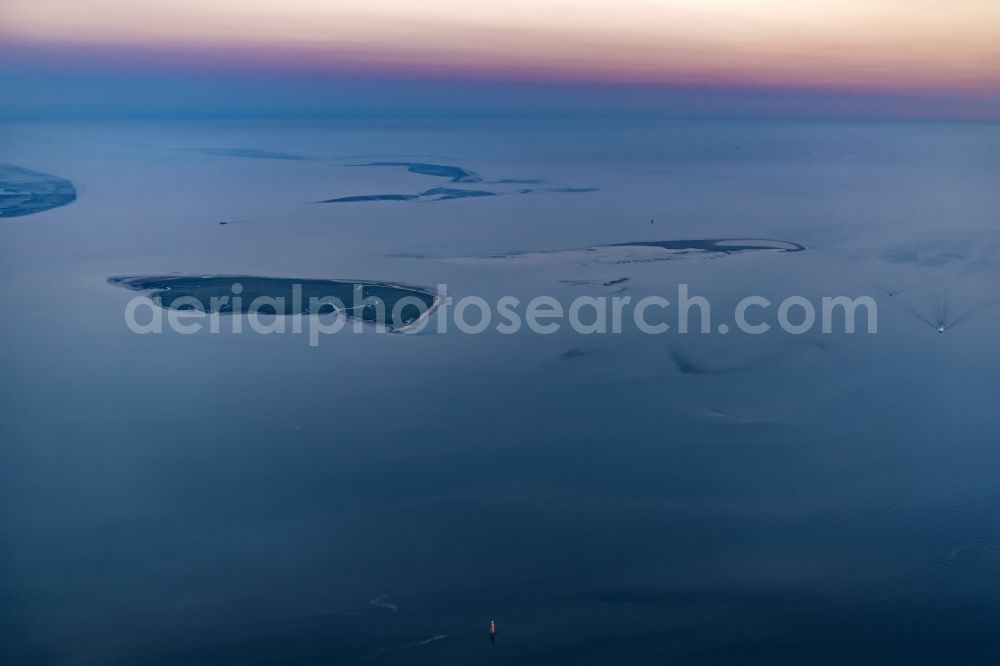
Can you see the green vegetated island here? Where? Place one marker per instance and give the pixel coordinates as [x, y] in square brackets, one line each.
[396, 305]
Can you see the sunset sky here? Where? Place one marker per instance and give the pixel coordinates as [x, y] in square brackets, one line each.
[907, 46]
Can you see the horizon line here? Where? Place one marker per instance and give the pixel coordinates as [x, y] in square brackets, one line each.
[209, 59]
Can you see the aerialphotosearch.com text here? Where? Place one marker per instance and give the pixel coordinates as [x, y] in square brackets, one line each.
[682, 313]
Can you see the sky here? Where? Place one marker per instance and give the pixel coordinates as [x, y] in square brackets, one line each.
[910, 49]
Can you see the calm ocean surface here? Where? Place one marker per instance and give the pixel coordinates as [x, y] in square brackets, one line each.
[607, 499]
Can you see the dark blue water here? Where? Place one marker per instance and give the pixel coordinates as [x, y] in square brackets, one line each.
[691, 499]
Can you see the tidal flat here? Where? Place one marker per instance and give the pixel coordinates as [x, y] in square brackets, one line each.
[25, 192]
[250, 154]
[457, 175]
[637, 252]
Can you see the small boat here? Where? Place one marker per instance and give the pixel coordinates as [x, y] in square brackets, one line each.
[493, 631]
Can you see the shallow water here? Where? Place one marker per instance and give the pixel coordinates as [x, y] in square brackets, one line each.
[620, 498]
